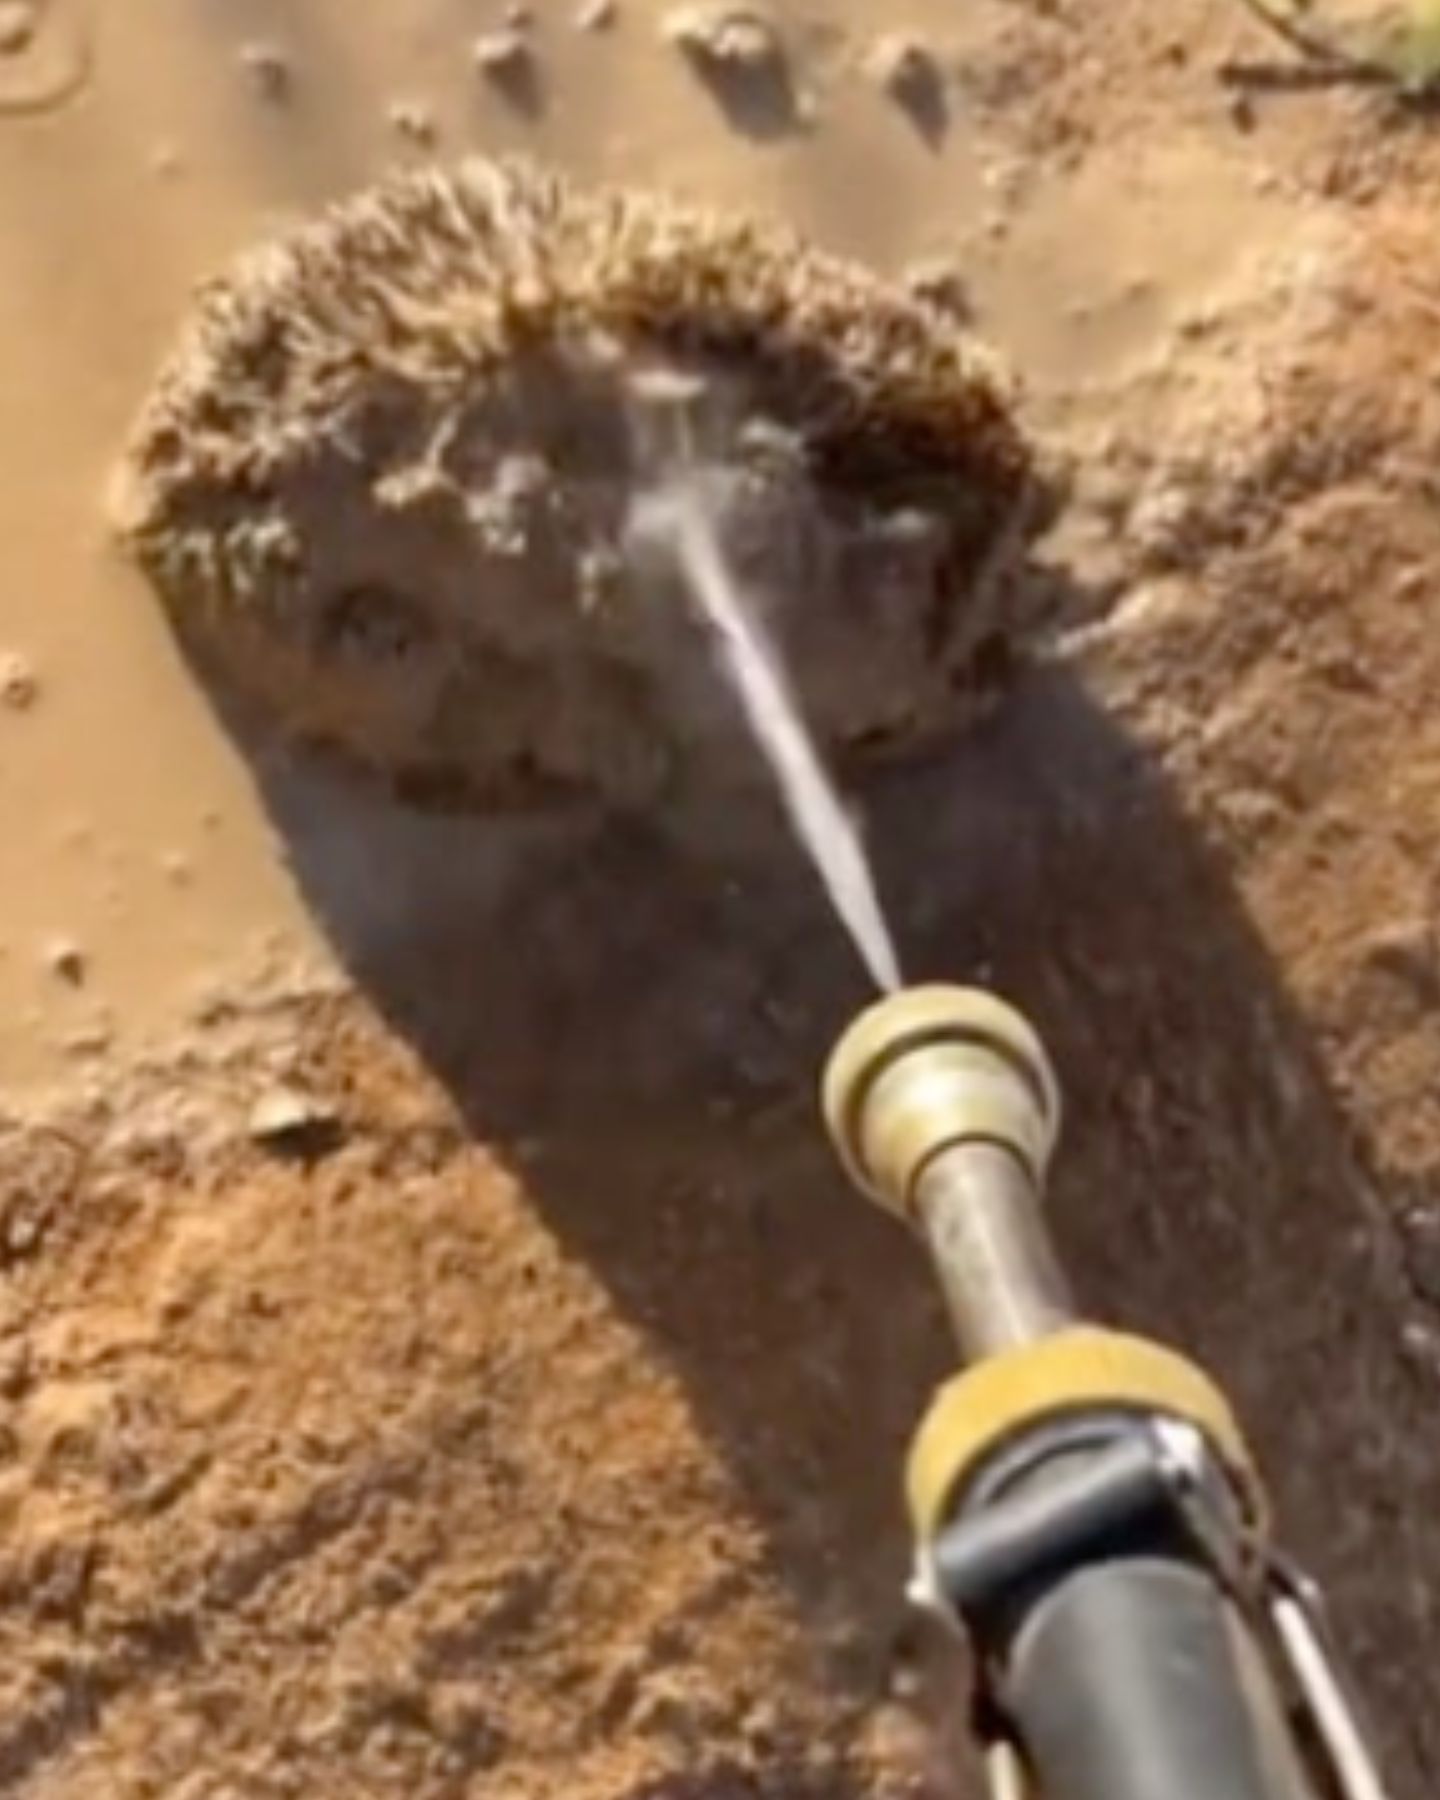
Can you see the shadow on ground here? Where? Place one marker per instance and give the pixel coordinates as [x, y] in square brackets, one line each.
[641, 1038]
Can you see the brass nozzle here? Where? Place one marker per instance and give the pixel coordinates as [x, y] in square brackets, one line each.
[930, 1068]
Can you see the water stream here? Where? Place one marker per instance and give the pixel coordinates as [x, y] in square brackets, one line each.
[754, 669]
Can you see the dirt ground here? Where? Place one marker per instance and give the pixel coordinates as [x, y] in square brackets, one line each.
[436, 1353]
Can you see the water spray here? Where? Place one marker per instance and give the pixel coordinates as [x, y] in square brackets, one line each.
[1086, 1509]
[755, 671]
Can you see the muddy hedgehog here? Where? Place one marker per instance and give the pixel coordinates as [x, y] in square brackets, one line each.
[383, 486]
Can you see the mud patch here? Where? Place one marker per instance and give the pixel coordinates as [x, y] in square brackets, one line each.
[387, 478]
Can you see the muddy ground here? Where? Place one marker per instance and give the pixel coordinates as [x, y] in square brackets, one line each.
[436, 1353]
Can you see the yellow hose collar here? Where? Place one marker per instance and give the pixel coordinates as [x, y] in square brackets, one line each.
[1078, 1370]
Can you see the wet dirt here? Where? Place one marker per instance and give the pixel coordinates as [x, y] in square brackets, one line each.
[529, 1422]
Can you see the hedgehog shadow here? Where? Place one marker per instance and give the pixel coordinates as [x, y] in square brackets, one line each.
[641, 1035]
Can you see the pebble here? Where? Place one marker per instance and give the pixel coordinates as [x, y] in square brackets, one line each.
[911, 77]
[17, 1368]
[19, 684]
[269, 68]
[1200, 321]
[680, 389]
[519, 16]
[501, 55]
[597, 15]
[166, 161]
[1421, 1344]
[1406, 951]
[735, 38]
[414, 121]
[600, 574]
[66, 961]
[290, 1121]
[19, 21]
[23, 1231]
[905, 69]
[1420, 1238]
[95, 1039]
[1159, 518]
[939, 283]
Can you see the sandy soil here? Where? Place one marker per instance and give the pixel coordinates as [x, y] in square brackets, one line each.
[436, 1354]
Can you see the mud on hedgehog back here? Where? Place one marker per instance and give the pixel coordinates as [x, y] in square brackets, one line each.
[383, 483]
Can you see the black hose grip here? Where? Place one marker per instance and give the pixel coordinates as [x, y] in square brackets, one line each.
[1134, 1680]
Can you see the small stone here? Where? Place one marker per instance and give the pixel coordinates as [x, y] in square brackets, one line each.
[19, 684]
[1421, 1344]
[764, 1726]
[94, 1039]
[597, 15]
[66, 961]
[1200, 321]
[17, 1369]
[909, 73]
[1160, 518]
[414, 121]
[269, 68]
[166, 161]
[903, 67]
[1420, 1240]
[601, 579]
[19, 21]
[773, 446]
[294, 1123]
[502, 55]
[665, 1712]
[519, 16]
[506, 60]
[23, 1231]
[939, 283]
[677, 389]
[1404, 950]
[739, 39]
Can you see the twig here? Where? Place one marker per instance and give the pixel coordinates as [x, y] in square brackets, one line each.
[1288, 25]
[1412, 63]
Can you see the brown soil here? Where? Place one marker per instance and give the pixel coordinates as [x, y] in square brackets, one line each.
[460, 1370]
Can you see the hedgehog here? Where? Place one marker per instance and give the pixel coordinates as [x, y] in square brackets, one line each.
[385, 487]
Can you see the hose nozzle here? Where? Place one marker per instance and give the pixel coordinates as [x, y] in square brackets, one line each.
[943, 1107]
[1083, 1500]
[930, 1068]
